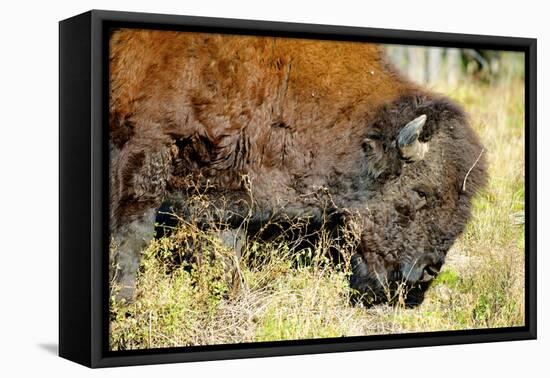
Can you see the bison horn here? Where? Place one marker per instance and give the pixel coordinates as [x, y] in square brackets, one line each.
[410, 148]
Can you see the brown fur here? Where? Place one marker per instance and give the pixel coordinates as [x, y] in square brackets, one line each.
[285, 118]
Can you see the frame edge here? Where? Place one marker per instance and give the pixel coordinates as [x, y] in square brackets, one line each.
[97, 356]
[74, 193]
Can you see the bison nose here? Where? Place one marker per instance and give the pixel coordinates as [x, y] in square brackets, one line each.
[429, 273]
[414, 273]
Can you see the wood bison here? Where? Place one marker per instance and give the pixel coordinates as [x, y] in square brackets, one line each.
[276, 127]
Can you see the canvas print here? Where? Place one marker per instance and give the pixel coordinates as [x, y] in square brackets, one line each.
[267, 189]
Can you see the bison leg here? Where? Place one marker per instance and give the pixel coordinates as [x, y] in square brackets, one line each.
[131, 239]
[236, 241]
[138, 186]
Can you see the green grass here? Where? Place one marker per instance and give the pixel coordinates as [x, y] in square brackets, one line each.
[276, 297]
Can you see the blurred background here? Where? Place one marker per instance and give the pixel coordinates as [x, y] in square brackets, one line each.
[452, 66]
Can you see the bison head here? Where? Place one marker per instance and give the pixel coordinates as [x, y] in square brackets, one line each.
[403, 236]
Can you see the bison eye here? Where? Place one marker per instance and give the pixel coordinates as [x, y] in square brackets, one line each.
[425, 191]
[419, 199]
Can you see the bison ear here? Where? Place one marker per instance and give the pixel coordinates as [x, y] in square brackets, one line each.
[410, 148]
[370, 143]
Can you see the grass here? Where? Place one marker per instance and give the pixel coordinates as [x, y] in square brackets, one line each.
[278, 297]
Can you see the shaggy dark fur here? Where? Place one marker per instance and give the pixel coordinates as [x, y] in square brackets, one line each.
[281, 129]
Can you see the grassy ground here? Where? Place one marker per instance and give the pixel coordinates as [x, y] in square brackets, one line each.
[480, 286]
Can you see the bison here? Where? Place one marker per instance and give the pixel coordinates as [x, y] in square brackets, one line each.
[279, 128]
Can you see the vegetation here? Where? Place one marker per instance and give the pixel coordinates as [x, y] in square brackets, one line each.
[276, 295]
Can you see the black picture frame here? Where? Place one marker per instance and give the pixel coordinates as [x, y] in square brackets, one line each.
[83, 200]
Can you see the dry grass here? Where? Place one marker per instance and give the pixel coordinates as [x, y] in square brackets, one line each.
[279, 298]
